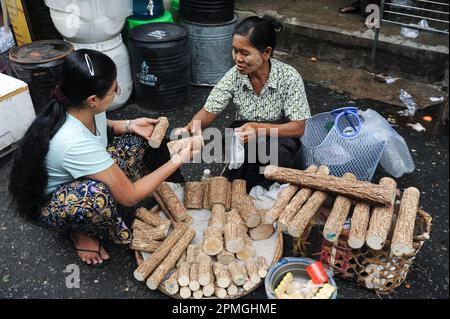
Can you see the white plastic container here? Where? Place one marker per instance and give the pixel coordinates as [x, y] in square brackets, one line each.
[16, 112]
[118, 52]
[89, 21]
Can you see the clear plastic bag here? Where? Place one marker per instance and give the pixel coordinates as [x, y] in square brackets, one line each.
[396, 158]
[237, 152]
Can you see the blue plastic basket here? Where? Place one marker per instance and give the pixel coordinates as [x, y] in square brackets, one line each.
[339, 140]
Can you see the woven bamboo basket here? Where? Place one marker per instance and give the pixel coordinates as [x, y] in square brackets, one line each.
[276, 258]
[379, 271]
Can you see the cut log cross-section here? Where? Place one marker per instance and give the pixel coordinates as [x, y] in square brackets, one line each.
[359, 225]
[306, 213]
[225, 257]
[208, 290]
[402, 239]
[171, 284]
[249, 250]
[147, 267]
[262, 266]
[252, 271]
[238, 188]
[381, 219]
[283, 199]
[360, 190]
[297, 201]
[159, 132]
[248, 211]
[193, 195]
[184, 274]
[341, 207]
[264, 230]
[238, 274]
[213, 240]
[169, 262]
[173, 204]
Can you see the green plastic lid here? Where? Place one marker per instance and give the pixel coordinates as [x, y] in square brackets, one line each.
[133, 23]
[175, 5]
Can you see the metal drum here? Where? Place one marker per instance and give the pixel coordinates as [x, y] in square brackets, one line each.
[207, 11]
[211, 47]
[161, 66]
[39, 64]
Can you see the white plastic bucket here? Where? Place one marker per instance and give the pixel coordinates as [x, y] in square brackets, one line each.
[89, 21]
[118, 52]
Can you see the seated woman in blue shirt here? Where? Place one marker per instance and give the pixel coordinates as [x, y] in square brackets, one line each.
[66, 176]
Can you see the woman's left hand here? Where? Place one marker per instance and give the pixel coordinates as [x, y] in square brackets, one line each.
[143, 127]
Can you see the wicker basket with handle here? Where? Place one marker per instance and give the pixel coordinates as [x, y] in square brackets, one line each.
[376, 270]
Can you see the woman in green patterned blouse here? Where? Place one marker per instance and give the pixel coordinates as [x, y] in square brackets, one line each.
[268, 94]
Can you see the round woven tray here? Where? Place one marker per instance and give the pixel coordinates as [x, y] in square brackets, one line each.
[276, 258]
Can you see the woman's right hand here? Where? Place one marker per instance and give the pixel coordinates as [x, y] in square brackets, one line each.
[186, 153]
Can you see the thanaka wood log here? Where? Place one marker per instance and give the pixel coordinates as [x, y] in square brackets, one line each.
[181, 261]
[171, 284]
[402, 240]
[229, 197]
[359, 225]
[169, 262]
[163, 206]
[238, 273]
[238, 188]
[218, 216]
[159, 132]
[184, 274]
[173, 204]
[185, 292]
[204, 268]
[252, 271]
[195, 143]
[248, 285]
[218, 191]
[193, 195]
[248, 212]
[152, 219]
[144, 231]
[283, 199]
[232, 290]
[249, 250]
[262, 266]
[338, 215]
[233, 216]
[225, 257]
[264, 230]
[223, 278]
[234, 237]
[198, 294]
[194, 285]
[147, 246]
[360, 190]
[206, 194]
[147, 267]
[300, 221]
[297, 201]
[208, 290]
[381, 219]
[191, 253]
[213, 240]
[220, 293]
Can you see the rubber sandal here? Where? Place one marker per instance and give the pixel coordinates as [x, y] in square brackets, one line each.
[95, 266]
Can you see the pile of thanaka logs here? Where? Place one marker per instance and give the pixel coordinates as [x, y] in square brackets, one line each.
[372, 218]
[225, 263]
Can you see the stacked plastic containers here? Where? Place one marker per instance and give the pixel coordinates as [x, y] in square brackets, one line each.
[210, 25]
[97, 25]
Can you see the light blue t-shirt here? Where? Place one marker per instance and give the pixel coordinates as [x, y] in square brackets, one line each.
[75, 152]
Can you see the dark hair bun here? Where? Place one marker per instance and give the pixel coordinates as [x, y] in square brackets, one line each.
[277, 26]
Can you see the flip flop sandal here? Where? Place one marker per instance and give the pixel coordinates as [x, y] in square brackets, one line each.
[95, 266]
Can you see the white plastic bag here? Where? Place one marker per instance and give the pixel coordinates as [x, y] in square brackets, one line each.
[237, 157]
[6, 40]
[396, 158]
